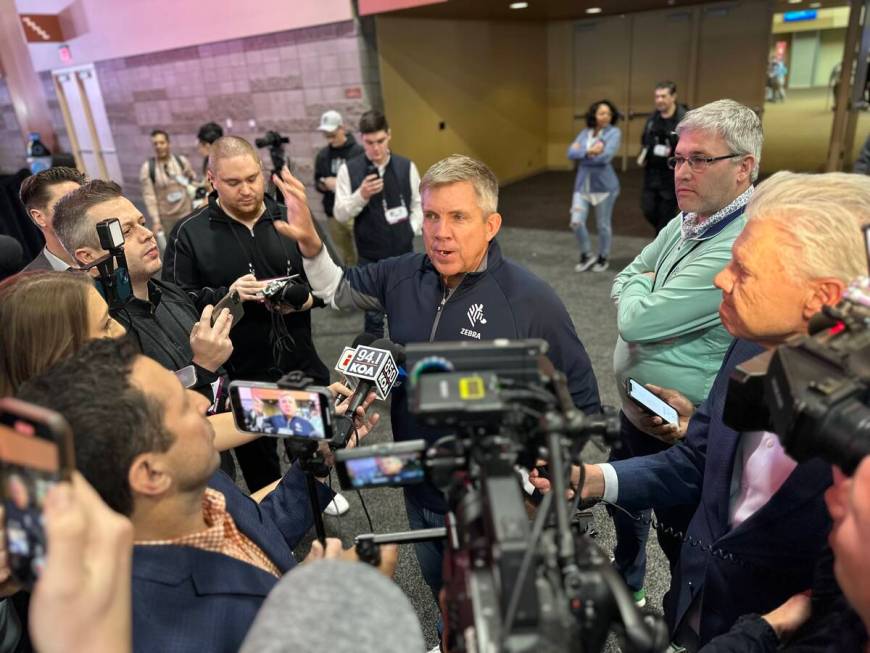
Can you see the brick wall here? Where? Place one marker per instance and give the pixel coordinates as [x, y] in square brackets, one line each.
[12, 155]
[282, 81]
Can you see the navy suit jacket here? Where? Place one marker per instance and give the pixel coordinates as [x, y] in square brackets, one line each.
[41, 262]
[188, 599]
[775, 549]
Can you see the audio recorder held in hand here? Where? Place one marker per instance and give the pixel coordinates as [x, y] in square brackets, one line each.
[266, 409]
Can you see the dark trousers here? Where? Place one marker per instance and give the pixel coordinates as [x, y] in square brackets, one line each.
[430, 555]
[659, 205]
[632, 534]
[259, 462]
[373, 321]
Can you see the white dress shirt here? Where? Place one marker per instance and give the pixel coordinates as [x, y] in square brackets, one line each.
[348, 204]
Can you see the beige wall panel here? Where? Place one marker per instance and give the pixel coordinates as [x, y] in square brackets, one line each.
[734, 44]
[661, 50]
[560, 93]
[831, 42]
[487, 81]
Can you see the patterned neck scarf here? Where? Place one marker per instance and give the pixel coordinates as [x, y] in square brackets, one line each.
[693, 226]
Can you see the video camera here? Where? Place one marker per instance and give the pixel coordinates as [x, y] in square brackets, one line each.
[275, 142]
[113, 282]
[511, 584]
[813, 391]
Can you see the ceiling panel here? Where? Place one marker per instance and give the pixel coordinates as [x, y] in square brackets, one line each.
[541, 10]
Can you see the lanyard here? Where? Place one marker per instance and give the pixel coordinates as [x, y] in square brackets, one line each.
[247, 253]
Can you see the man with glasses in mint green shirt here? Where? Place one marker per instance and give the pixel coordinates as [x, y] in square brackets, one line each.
[670, 334]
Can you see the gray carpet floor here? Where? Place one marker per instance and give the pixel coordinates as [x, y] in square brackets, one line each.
[551, 255]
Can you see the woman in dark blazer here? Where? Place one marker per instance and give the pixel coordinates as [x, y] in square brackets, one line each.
[596, 185]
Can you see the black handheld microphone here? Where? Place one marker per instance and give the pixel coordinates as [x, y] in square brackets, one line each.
[295, 295]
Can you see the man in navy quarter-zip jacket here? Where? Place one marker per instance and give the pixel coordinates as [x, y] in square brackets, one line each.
[461, 288]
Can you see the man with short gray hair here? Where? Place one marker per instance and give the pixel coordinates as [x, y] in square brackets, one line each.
[760, 523]
[460, 289]
[670, 334]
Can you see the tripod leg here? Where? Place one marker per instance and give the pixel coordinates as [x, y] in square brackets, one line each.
[315, 508]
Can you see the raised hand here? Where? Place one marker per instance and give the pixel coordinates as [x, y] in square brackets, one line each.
[299, 225]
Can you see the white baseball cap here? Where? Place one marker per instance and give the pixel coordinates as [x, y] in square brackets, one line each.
[330, 121]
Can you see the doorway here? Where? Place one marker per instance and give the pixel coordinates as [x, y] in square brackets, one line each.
[84, 114]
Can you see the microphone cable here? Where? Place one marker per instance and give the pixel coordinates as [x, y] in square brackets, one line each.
[683, 537]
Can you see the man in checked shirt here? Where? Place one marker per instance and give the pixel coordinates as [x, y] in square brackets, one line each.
[206, 555]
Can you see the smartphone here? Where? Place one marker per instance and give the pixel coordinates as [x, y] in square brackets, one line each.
[372, 169]
[650, 402]
[233, 302]
[383, 465]
[266, 409]
[36, 453]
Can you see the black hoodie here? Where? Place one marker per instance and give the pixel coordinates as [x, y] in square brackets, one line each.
[328, 161]
[209, 251]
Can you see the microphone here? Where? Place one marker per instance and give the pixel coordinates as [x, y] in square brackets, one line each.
[376, 367]
[347, 356]
[295, 295]
[349, 604]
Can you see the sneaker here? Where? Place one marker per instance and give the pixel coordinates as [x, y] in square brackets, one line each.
[586, 262]
[600, 265]
[639, 598]
[338, 506]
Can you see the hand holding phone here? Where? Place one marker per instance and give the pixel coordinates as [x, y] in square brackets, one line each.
[36, 453]
[651, 403]
[233, 302]
[210, 339]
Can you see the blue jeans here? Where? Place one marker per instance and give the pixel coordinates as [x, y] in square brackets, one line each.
[430, 555]
[631, 535]
[603, 216]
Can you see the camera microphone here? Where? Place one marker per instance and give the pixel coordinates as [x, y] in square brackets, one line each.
[295, 295]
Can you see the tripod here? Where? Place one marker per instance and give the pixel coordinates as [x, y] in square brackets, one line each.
[312, 463]
[307, 452]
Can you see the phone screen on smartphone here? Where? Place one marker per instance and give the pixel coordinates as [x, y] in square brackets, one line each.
[269, 410]
[387, 465]
[651, 402]
[34, 448]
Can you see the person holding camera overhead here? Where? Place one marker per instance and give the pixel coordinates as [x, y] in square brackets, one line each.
[380, 192]
[231, 241]
[596, 186]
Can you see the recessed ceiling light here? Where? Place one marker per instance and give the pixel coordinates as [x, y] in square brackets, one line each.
[518, 5]
[593, 10]
[794, 2]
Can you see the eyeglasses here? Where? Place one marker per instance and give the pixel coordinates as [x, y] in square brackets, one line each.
[697, 163]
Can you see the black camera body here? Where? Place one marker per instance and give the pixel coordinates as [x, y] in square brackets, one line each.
[513, 584]
[271, 139]
[813, 391]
